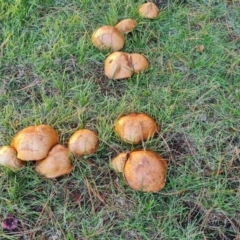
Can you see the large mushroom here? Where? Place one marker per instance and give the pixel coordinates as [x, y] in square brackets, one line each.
[148, 10]
[118, 66]
[136, 127]
[126, 25]
[8, 158]
[145, 171]
[56, 164]
[34, 142]
[108, 37]
[83, 142]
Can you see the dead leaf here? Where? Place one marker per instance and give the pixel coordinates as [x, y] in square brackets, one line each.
[77, 197]
[10, 223]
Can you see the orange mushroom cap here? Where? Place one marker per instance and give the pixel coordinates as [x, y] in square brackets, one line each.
[136, 127]
[126, 25]
[118, 162]
[108, 37]
[8, 158]
[148, 10]
[34, 142]
[145, 170]
[56, 164]
[139, 62]
[118, 66]
[83, 142]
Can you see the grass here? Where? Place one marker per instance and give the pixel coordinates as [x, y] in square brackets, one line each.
[50, 73]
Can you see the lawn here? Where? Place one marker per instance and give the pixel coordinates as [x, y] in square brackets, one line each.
[50, 73]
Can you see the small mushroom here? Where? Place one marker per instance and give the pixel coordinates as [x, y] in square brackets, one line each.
[118, 66]
[145, 171]
[126, 25]
[83, 142]
[148, 10]
[136, 127]
[118, 162]
[34, 142]
[139, 62]
[56, 164]
[8, 158]
[108, 37]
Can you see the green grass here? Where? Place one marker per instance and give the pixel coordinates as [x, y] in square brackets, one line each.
[50, 73]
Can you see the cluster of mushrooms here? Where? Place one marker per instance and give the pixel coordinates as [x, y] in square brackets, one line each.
[143, 170]
[41, 145]
[122, 65]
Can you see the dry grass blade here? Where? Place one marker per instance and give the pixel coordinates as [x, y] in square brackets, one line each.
[94, 192]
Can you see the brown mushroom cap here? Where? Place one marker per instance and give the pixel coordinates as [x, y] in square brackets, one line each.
[139, 62]
[118, 66]
[118, 162]
[107, 37]
[34, 142]
[83, 142]
[8, 158]
[126, 25]
[145, 171]
[56, 164]
[148, 10]
[136, 127]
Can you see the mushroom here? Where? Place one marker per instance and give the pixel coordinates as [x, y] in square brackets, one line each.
[118, 162]
[8, 158]
[148, 10]
[107, 37]
[118, 66]
[139, 62]
[136, 127]
[126, 25]
[145, 171]
[83, 142]
[56, 164]
[34, 142]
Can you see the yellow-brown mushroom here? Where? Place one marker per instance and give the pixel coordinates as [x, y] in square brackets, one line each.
[145, 171]
[136, 127]
[8, 158]
[56, 164]
[83, 142]
[118, 162]
[126, 25]
[34, 142]
[148, 10]
[139, 62]
[118, 66]
[108, 37]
